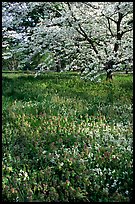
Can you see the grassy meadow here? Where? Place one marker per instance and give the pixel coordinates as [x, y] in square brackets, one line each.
[66, 139]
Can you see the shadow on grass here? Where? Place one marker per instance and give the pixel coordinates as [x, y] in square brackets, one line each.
[127, 85]
[26, 87]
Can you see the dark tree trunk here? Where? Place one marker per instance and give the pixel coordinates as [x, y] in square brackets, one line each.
[58, 65]
[119, 35]
[82, 70]
[57, 68]
[109, 75]
[108, 68]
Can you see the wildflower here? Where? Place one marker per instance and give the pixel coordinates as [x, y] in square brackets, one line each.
[67, 182]
[126, 192]
[113, 156]
[10, 169]
[17, 199]
[114, 183]
[44, 152]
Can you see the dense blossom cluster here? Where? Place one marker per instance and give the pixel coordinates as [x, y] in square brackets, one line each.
[83, 34]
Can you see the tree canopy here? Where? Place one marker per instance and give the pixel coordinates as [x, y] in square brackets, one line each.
[95, 36]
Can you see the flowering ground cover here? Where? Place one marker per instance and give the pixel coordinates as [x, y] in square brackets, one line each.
[65, 139]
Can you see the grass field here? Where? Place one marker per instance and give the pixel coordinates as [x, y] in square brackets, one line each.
[65, 139]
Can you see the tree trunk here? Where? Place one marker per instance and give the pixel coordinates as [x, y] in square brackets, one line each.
[126, 71]
[108, 68]
[109, 75]
[57, 68]
[58, 65]
[82, 70]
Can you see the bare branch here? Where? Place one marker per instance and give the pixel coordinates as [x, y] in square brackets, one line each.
[119, 36]
[108, 17]
[82, 32]
[54, 24]
[123, 32]
[109, 27]
[90, 5]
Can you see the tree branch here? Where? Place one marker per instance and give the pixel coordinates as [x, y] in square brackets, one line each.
[105, 49]
[90, 5]
[109, 18]
[123, 32]
[110, 27]
[112, 19]
[83, 33]
[54, 24]
[119, 36]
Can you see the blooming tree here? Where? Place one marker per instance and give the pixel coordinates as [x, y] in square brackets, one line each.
[97, 37]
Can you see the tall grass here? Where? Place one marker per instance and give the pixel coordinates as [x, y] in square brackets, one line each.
[65, 139]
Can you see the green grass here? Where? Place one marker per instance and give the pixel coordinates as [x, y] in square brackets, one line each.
[65, 139]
